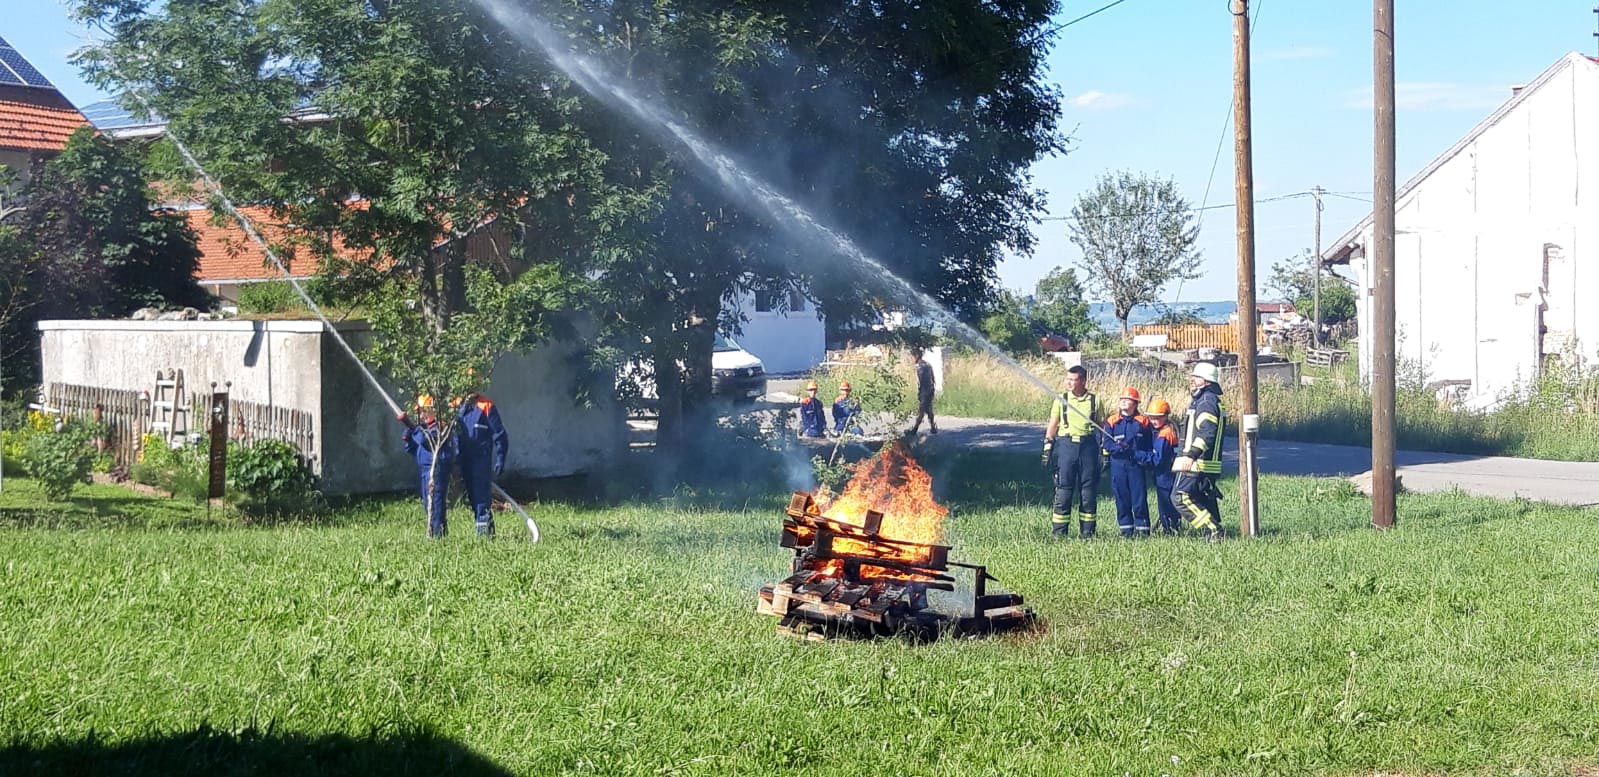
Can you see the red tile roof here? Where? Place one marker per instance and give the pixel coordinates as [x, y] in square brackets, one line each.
[36, 120]
[228, 254]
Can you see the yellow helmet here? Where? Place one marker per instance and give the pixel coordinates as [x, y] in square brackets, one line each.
[424, 401]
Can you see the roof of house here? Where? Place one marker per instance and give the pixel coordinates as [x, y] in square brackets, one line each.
[33, 115]
[1339, 250]
[228, 255]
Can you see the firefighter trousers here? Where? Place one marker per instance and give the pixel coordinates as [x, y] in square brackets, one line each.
[1165, 511]
[1076, 480]
[1127, 484]
[1196, 502]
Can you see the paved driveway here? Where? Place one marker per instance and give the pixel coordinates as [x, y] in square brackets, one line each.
[1560, 482]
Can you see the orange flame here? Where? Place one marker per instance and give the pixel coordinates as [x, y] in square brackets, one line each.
[891, 483]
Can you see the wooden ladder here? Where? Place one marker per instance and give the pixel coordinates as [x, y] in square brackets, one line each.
[169, 412]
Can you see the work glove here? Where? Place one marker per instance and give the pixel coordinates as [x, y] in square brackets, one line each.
[1182, 464]
[1049, 448]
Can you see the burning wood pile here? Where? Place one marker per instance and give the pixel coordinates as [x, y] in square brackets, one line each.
[865, 562]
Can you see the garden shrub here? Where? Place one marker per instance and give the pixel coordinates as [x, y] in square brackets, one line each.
[267, 297]
[269, 478]
[60, 458]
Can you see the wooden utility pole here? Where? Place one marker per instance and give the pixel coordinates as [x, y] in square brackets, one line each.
[1244, 184]
[1315, 320]
[1383, 505]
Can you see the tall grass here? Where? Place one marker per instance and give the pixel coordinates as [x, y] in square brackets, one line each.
[627, 642]
[1556, 417]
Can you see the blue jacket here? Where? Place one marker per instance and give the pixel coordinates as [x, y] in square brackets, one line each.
[482, 434]
[1162, 450]
[844, 411]
[1129, 436]
[812, 422]
[420, 440]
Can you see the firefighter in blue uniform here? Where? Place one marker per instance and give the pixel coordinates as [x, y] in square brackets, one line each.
[1199, 461]
[1077, 455]
[435, 449]
[484, 443]
[813, 420]
[1127, 443]
[1162, 450]
[845, 410]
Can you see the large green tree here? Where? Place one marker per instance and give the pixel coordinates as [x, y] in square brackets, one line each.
[908, 126]
[86, 241]
[1137, 234]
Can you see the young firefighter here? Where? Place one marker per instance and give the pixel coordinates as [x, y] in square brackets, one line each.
[1077, 471]
[484, 443]
[1162, 450]
[1198, 463]
[813, 423]
[435, 450]
[1128, 443]
[845, 410]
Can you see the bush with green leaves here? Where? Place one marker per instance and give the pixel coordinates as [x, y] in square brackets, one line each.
[60, 459]
[180, 469]
[267, 297]
[268, 477]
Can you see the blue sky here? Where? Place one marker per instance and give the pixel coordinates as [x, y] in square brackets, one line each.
[1148, 85]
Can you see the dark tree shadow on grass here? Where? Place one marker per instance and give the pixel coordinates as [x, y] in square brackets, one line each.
[252, 752]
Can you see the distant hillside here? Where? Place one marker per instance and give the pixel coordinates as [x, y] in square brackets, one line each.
[1212, 312]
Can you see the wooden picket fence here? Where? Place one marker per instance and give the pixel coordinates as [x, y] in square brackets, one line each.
[1191, 336]
[251, 421]
[125, 413]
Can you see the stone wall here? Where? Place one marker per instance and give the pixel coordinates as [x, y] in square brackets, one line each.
[295, 364]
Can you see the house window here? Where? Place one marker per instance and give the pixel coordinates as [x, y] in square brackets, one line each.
[765, 300]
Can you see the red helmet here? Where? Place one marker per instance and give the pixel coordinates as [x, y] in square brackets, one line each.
[844, 386]
[1131, 393]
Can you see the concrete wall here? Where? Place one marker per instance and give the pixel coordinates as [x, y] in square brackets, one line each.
[786, 341]
[294, 364]
[1473, 234]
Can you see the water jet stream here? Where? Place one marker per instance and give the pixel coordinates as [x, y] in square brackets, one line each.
[781, 210]
[215, 189]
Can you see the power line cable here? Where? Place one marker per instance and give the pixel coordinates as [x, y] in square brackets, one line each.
[1162, 211]
[1232, 101]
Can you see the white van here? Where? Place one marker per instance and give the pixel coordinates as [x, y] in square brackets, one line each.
[736, 373]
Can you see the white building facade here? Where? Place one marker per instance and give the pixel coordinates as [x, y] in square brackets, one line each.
[1497, 243]
[783, 328]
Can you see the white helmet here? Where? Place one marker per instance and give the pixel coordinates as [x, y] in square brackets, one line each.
[1207, 371]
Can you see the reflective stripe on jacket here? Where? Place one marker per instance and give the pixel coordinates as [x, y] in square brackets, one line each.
[1202, 433]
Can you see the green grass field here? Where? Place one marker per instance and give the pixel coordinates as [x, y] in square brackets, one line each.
[1465, 641]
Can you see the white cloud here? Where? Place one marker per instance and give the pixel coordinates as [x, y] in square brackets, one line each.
[1435, 96]
[1095, 100]
[1298, 52]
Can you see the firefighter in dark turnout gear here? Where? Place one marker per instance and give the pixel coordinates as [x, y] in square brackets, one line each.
[435, 449]
[1128, 443]
[845, 410]
[1199, 460]
[1073, 441]
[484, 443]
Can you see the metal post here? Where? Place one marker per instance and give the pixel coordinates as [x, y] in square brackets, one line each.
[1383, 505]
[1315, 321]
[1244, 185]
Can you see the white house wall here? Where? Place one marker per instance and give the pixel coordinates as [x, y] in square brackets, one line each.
[355, 439]
[785, 341]
[1470, 247]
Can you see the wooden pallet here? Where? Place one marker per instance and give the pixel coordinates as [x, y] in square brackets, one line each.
[872, 590]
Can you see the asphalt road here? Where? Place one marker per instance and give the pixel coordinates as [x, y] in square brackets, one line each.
[1559, 482]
